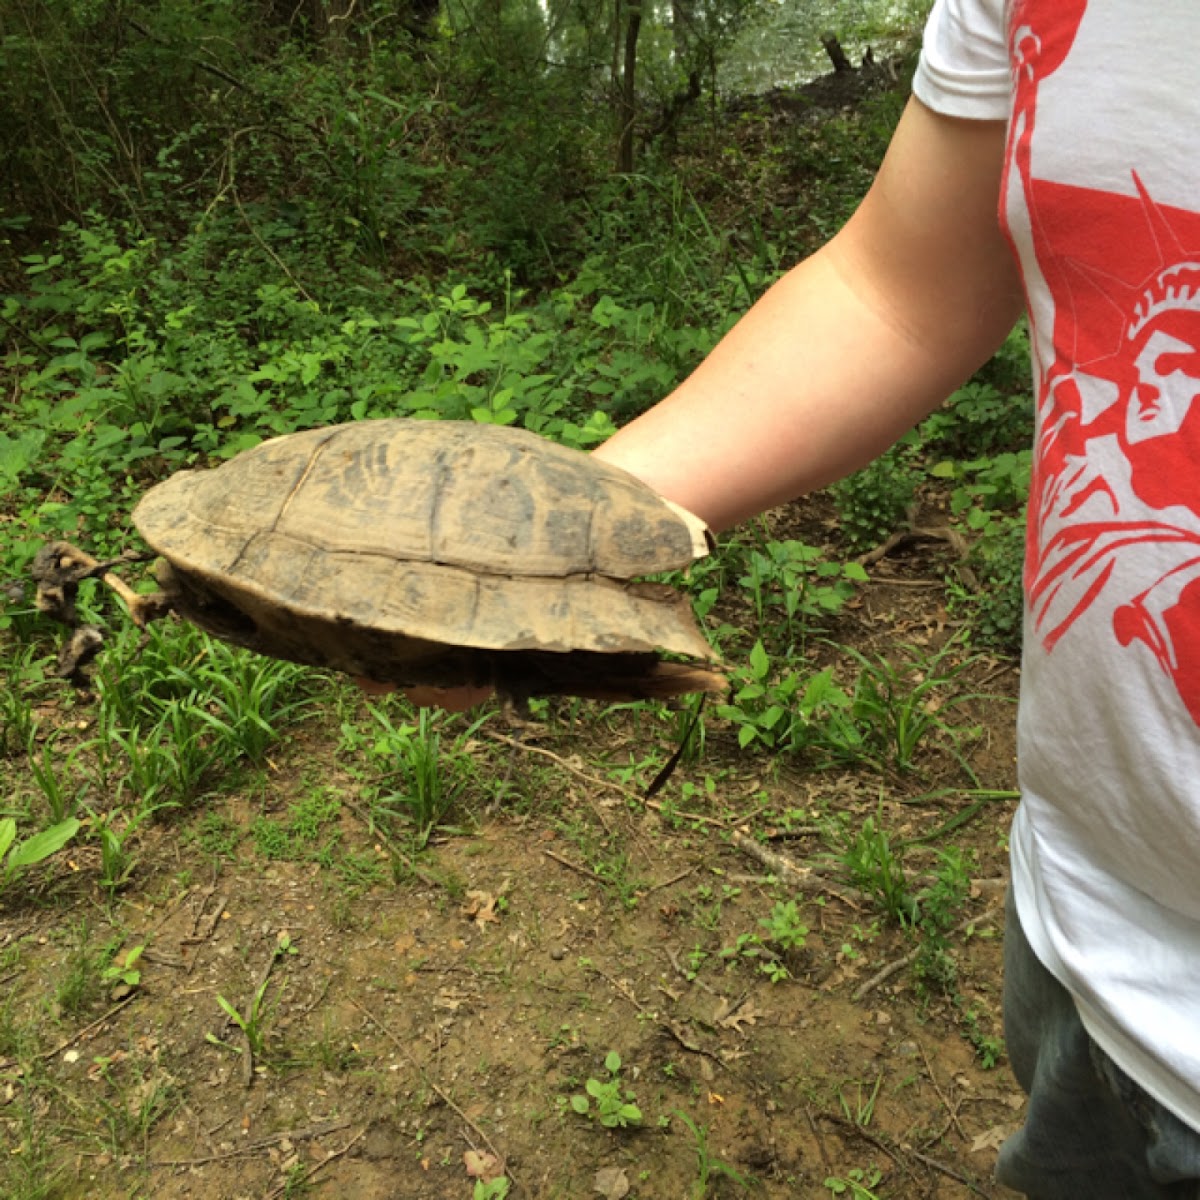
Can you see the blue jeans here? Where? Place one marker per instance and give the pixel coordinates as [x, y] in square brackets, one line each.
[1090, 1132]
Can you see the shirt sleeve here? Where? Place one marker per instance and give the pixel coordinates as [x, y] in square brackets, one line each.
[963, 70]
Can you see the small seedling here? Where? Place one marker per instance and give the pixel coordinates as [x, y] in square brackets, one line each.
[253, 1021]
[125, 971]
[491, 1189]
[612, 1107]
[752, 948]
[707, 1164]
[784, 927]
[873, 865]
[856, 1184]
[862, 1111]
[116, 861]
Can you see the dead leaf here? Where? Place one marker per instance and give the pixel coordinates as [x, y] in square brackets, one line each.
[480, 907]
[611, 1182]
[482, 1165]
[991, 1139]
[736, 1016]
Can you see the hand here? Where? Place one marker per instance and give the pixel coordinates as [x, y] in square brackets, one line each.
[452, 699]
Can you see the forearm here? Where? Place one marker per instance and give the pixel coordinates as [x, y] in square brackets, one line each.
[851, 348]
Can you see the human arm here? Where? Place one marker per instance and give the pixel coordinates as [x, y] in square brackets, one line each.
[853, 346]
[847, 351]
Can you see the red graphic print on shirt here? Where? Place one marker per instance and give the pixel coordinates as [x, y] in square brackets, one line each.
[1114, 514]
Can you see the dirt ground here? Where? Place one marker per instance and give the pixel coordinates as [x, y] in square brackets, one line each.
[418, 1035]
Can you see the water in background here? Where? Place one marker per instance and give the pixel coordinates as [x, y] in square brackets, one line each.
[783, 48]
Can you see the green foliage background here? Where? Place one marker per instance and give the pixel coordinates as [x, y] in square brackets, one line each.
[222, 222]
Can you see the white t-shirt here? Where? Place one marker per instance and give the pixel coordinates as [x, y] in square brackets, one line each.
[1100, 198]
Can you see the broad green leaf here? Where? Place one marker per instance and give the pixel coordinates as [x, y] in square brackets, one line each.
[43, 844]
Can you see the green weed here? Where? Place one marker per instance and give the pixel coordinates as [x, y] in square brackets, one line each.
[708, 1166]
[80, 984]
[862, 1111]
[794, 590]
[606, 1100]
[856, 1184]
[62, 799]
[782, 711]
[418, 776]
[872, 863]
[783, 927]
[876, 501]
[254, 1020]
[898, 705]
[491, 1189]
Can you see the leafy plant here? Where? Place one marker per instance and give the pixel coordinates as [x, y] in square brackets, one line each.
[253, 1022]
[898, 705]
[784, 927]
[491, 1189]
[61, 799]
[124, 971]
[875, 501]
[995, 605]
[873, 865]
[419, 776]
[793, 584]
[856, 1183]
[606, 1101]
[785, 712]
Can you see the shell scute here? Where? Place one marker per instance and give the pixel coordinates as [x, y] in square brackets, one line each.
[401, 549]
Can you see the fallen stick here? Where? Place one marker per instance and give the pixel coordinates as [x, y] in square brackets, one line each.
[885, 973]
[297, 1184]
[804, 878]
[433, 1085]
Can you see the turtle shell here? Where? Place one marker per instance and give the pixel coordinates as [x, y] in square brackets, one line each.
[425, 552]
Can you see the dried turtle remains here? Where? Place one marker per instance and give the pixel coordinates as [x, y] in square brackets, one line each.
[426, 552]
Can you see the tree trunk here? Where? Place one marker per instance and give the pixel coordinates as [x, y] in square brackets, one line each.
[628, 104]
[837, 55]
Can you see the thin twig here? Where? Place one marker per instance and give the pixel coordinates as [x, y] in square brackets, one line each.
[409, 862]
[951, 1110]
[804, 878]
[290, 1183]
[268, 248]
[577, 867]
[433, 1085]
[666, 883]
[287, 1135]
[612, 786]
[885, 973]
[671, 1027]
[950, 1171]
[857, 1130]
[46, 1055]
[598, 780]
